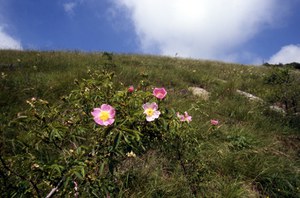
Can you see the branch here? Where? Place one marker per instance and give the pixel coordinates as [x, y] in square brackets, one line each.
[55, 189]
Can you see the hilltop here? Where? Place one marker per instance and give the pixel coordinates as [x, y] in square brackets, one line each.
[253, 151]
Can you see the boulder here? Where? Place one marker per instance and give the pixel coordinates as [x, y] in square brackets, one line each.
[197, 91]
[249, 96]
[278, 109]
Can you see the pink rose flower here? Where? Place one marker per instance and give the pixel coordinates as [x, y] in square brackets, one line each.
[159, 93]
[214, 122]
[131, 89]
[105, 115]
[151, 111]
[184, 118]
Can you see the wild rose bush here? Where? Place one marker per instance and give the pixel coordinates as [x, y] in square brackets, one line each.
[74, 148]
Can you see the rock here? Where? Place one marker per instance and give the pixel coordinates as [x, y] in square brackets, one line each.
[257, 99]
[204, 95]
[197, 91]
[249, 96]
[278, 109]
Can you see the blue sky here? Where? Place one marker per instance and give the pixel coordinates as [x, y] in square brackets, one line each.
[241, 31]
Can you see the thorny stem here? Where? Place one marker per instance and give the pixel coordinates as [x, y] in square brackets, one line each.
[179, 157]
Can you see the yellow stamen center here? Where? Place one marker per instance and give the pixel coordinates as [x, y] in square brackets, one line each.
[104, 115]
[149, 112]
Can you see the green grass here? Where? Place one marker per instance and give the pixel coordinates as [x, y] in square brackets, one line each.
[254, 153]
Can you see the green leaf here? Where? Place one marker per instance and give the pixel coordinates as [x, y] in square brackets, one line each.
[117, 140]
[78, 175]
[127, 140]
[57, 168]
[82, 171]
[132, 132]
[101, 168]
[66, 182]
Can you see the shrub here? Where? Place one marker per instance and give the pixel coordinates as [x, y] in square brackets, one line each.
[61, 149]
[285, 92]
[284, 89]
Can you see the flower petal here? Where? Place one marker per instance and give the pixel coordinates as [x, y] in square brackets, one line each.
[159, 93]
[153, 106]
[96, 111]
[104, 120]
[146, 106]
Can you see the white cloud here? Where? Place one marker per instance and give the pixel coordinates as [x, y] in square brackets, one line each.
[69, 7]
[287, 54]
[8, 42]
[209, 29]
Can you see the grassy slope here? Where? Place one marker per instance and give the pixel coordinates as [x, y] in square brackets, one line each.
[253, 153]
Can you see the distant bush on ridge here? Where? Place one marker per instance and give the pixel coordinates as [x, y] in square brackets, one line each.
[295, 65]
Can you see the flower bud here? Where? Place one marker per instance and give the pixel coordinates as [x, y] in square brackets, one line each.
[131, 89]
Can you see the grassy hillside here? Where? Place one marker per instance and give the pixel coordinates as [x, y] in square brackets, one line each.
[254, 151]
